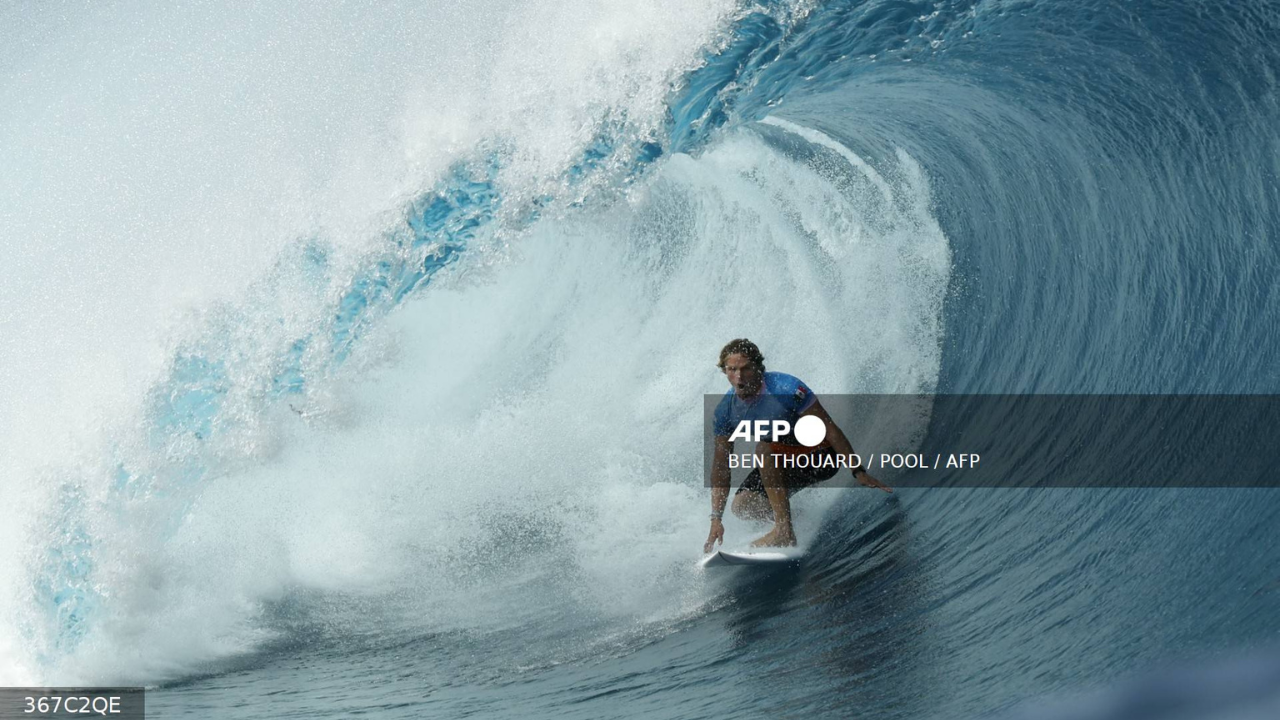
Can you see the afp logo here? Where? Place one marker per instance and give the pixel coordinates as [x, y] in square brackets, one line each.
[810, 430]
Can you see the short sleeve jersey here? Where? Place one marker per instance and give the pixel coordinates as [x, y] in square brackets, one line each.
[783, 397]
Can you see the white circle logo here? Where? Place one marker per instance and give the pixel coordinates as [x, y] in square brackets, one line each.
[810, 430]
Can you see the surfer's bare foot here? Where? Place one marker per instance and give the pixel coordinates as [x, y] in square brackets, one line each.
[775, 538]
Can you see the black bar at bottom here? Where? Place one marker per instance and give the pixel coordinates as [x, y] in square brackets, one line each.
[128, 703]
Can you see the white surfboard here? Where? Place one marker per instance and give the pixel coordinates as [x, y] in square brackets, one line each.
[775, 557]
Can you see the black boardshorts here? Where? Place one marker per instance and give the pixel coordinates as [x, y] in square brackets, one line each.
[798, 478]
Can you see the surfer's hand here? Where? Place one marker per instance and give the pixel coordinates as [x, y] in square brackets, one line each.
[865, 478]
[717, 534]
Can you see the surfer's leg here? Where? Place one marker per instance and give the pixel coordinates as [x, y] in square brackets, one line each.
[774, 479]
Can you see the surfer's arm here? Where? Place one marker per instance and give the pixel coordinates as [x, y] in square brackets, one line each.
[720, 476]
[841, 444]
[719, 490]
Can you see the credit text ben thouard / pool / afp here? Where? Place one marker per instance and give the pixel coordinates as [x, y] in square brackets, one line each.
[810, 431]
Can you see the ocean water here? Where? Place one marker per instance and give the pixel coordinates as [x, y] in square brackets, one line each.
[352, 360]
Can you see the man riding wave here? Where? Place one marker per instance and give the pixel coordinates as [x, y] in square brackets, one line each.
[758, 395]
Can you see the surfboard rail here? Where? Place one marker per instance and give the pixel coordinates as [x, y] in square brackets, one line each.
[763, 556]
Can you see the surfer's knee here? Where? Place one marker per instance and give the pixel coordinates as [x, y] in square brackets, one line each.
[772, 473]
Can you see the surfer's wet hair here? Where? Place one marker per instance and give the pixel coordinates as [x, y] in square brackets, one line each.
[744, 347]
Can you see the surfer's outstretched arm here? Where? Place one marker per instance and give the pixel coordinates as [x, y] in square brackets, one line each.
[719, 491]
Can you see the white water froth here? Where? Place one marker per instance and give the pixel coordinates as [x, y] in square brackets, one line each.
[160, 158]
[518, 440]
[521, 443]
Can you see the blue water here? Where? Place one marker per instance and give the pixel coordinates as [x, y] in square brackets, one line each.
[990, 197]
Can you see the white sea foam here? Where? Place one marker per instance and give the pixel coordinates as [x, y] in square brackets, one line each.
[530, 413]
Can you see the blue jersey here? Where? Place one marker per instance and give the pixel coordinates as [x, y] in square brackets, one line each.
[783, 397]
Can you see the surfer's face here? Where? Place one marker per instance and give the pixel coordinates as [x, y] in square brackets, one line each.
[743, 375]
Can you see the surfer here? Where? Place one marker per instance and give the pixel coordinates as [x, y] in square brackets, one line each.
[766, 493]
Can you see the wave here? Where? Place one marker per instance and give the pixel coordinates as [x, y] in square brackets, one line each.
[261, 380]
[434, 377]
